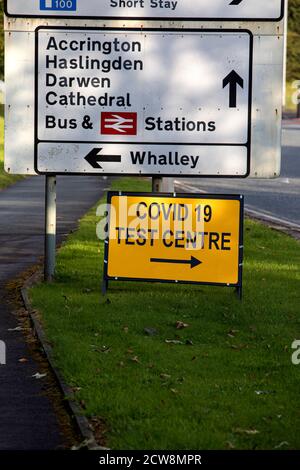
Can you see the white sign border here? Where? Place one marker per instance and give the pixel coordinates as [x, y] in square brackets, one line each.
[247, 145]
[145, 18]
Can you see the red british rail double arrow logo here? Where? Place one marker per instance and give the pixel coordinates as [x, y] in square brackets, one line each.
[118, 123]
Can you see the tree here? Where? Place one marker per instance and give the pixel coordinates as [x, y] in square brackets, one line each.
[294, 16]
[293, 54]
[1, 42]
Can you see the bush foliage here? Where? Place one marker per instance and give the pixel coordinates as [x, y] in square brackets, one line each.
[1, 42]
[293, 71]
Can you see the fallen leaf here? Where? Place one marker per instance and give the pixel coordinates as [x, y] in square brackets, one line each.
[249, 432]
[284, 443]
[180, 325]
[173, 390]
[165, 376]
[82, 403]
[239, 347]
[173, 341]
[135, 359]
[230, 445]
[23, 359]
[232, 333]
[39, 376]
[125, 329]
[84, 444]
[18, 328]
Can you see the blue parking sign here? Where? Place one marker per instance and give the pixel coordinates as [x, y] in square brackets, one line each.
[58, 5]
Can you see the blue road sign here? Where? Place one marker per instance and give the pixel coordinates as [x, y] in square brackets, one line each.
[58, 5]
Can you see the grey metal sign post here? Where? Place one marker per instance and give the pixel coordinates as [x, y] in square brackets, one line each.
[50, 228]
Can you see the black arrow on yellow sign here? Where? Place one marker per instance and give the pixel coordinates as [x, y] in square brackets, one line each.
[193, 262]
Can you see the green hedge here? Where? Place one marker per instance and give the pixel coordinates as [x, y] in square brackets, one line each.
[1, 42]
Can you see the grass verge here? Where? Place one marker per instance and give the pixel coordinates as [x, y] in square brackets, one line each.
[291, 89]
[230, 385]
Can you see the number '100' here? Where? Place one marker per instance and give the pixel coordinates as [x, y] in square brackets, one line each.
[63, 4]
[58, 5]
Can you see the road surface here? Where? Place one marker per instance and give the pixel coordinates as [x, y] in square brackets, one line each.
[276, 199]
[27, 419]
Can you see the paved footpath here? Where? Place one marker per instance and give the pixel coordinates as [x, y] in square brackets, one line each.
[27, 419]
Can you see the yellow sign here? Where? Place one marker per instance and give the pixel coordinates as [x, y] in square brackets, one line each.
[175, 238]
